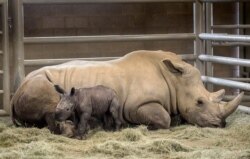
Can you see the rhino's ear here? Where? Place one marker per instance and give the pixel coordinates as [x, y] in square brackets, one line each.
[59, 89]
[174, 67]
[72, 92]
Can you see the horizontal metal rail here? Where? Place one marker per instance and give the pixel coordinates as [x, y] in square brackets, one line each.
[225, 37]
[243, 26]
[225, 60]
[1, 32]
[1, 91]
[227, 83]
[224, 0]
[3, 113]
[239, 79]
[1, 52]
[108, 38]
[244, 109]
[230, 44]
[1, 72]
[46, 62]
[100, 1]
[245, 98]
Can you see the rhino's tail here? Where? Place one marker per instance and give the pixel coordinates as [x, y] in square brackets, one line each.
[17, 121]
[14, 101]
[14, 118]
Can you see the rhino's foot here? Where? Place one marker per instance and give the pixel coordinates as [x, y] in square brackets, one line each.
[153, 115]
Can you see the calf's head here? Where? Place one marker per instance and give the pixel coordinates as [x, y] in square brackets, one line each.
[66, 105]
[195, 104]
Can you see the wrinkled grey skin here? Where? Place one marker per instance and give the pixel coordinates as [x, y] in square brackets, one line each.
[82, 104]
[152, 86]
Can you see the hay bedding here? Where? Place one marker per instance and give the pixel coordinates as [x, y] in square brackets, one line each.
[179, 142]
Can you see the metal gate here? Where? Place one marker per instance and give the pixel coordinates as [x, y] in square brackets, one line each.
[212, 39]
[202, 35]
[4, 52]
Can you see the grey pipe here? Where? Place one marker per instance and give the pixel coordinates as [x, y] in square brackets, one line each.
[238, 26]
[244, 109]
[99, 1]
[18, 33]
[227, 83]
[108, 38]
[46, 62]
[231, 97]
[230, 44]
[239, 79]
[225, 60]
[224, 0]
[225, 37]
[3, 113]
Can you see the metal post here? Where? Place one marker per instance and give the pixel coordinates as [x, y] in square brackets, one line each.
[209, 48]
[18, 33]
[5, 40]
[236, 70]
[198, 28]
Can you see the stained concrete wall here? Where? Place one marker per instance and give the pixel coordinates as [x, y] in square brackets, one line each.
[104, 19]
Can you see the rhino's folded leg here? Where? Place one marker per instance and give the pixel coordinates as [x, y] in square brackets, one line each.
[50, 120]
[153, 115]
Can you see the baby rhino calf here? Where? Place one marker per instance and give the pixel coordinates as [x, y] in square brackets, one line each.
[82, 104]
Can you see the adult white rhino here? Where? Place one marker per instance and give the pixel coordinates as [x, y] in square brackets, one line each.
[151, 85]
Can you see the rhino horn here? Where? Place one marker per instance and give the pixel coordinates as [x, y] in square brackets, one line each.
[217, 96]
[231, 106]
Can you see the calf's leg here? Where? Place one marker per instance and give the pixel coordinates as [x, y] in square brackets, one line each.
[83, 125]
[114, 110]
[154, 116]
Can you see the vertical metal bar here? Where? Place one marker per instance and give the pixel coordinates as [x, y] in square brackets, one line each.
[236, 70]
[18, 34]
[209, 48]
[198, 13]
[6, 75]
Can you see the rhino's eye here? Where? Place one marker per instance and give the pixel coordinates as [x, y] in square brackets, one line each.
[200, 102]
[67, 109]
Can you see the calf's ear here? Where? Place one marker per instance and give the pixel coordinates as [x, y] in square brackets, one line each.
[72, 92]
[59, 89]
[174, 67]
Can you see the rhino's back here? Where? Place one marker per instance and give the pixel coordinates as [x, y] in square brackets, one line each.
[135, 77]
